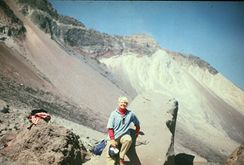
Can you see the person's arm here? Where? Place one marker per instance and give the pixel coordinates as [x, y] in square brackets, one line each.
[110, 126]
[137, 130]
[111, 133]
[137, 124]
[111, 136]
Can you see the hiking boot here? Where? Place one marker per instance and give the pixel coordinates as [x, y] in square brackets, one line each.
[121, 162]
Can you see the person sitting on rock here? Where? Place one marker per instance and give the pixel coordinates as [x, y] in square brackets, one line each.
[119, 130]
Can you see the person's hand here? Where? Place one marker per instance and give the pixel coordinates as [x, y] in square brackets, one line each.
[113, 143]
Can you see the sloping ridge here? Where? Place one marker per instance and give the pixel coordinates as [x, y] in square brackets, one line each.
[71, 76]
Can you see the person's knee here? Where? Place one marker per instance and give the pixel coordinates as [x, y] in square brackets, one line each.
[127, 139]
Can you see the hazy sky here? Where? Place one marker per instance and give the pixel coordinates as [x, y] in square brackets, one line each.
[213, 31]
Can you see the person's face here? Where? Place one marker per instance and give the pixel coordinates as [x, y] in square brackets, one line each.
[123, 105]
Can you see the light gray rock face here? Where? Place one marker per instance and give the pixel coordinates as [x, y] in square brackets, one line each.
[151, 109]
[171, 124]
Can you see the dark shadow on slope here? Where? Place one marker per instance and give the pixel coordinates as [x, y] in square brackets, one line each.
[180, 159]
[184, 159]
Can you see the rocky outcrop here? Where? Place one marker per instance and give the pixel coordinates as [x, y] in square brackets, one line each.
[69, 32]
[237, 157]
[157, 141]
[10, 25]
[44, 144]
[202, 64]
[171, 124]
[191, 60]
[42, 5]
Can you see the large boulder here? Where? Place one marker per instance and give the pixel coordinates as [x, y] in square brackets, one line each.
[44, 144]
[157, 114]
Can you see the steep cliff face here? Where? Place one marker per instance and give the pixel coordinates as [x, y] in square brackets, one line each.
[71, 33]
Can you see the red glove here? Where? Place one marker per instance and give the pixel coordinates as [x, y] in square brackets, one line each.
[137, 130]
